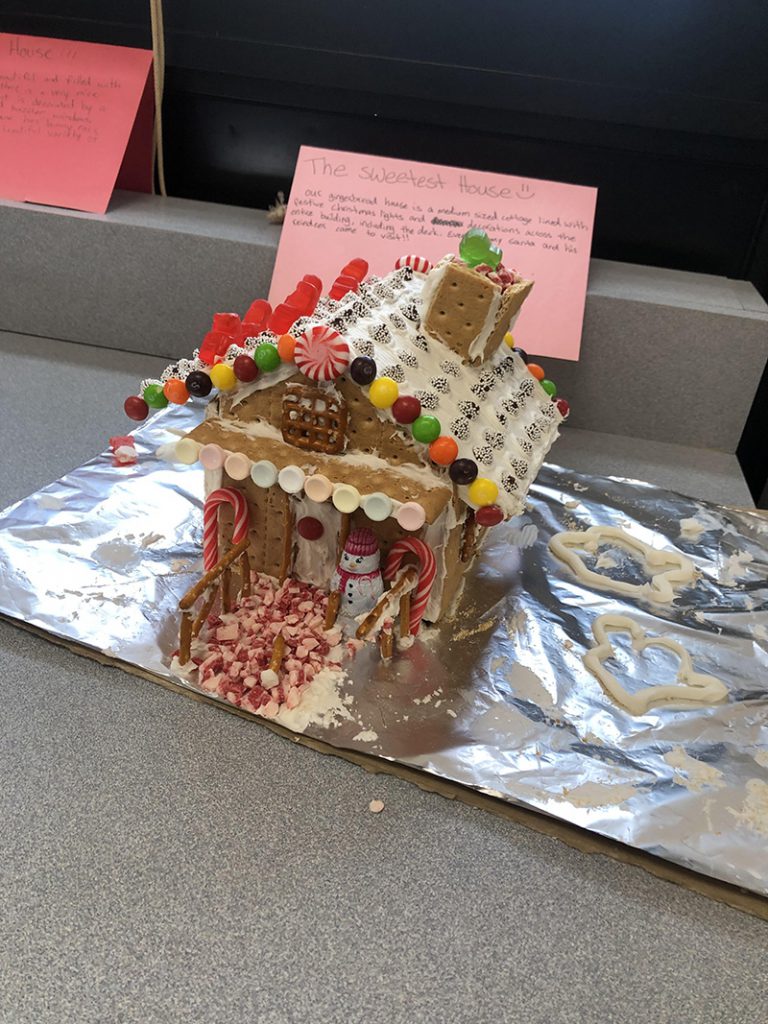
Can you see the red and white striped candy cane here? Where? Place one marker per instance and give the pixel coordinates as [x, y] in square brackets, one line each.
[427, 573]
[418, 264]
[321, 354]
[222, 496]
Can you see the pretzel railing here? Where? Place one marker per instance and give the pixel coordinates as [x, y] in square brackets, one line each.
[382, 614]
[218, 579]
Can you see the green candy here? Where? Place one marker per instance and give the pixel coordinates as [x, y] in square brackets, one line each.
[549, 387]
[426, 429]
[154, 396]
[493, 257]
[266, 357]
[474, 247]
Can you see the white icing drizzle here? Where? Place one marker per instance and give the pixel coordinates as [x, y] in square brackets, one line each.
[316, 559]
[477, 347]
[436, 536]
[253, 428]
[690, 688]
[266, 380]
[675, 572]
[211, 480]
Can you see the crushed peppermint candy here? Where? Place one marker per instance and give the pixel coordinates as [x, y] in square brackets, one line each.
[234, 658]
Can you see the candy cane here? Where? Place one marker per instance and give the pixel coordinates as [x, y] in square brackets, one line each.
[321, 354]
[222, 496]
[417, 263]
[427, 573]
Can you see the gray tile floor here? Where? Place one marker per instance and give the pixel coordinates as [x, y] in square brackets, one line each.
[161, 861]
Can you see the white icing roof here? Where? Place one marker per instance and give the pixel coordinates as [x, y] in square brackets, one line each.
[498, 413]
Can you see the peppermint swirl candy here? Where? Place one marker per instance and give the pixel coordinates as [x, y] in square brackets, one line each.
[418, 264]
[322, 354]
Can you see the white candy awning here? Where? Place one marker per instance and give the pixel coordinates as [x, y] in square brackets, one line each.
[405, 485]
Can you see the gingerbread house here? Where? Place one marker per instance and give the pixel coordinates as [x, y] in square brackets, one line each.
[397, 404]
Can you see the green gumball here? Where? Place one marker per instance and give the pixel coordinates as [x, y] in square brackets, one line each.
[266, 357]
[154, 396]
[426, 429]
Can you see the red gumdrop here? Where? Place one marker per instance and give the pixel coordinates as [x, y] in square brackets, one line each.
[227, 323]
[258, 313]
[356, 269]
[136, 408]
[306, 294]
[314, 289]
[310, 528]
[314, 280]
[342, 285]
[563, 407]
[489, 515]
[215, 343]
[282, 319]
[300, 300]
[248, 330]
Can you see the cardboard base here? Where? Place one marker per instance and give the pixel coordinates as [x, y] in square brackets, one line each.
[571, 835]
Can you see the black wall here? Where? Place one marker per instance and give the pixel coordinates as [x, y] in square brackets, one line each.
[662, 105]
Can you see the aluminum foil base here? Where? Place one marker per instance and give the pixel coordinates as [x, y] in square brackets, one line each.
[497, 699]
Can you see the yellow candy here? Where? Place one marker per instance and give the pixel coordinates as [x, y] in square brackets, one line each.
[482, 492]
[223, 377]
[509, 340]
[384, 392]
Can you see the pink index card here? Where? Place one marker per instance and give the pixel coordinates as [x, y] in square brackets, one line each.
[67, 110]
[344, 205]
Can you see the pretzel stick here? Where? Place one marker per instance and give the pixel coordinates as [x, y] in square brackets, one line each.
[185, 638]
[226, 601]
[212, 575]
[285, 565]
[386, 642]
[203, 615]
[405, 583]
[278, 651]
[245, 575]
[405, 614]
[468, 537]
[332, 611]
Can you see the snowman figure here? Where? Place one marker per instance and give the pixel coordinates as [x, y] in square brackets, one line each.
[357, 577]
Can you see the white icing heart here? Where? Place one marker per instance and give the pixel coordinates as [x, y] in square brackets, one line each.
[690, 688]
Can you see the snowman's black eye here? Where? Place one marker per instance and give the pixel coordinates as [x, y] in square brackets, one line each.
[359, 560]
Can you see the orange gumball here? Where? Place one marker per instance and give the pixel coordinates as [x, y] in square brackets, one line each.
[536, 371]
[443, 450]
[175, 390]
[286, 345]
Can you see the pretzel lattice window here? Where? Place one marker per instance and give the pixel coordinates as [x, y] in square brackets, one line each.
[313, 420]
